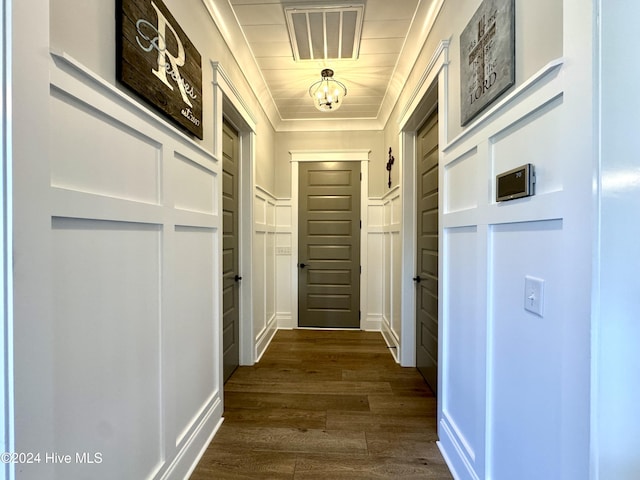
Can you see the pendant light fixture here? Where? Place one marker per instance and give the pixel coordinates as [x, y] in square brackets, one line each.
[328, 92]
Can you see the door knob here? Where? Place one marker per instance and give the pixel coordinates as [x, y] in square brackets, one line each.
[237, 278]
[302, 265]
[417, 279]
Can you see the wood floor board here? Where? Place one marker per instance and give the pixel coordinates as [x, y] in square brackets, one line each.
[371, 422]
[261, 400]
[327, 405]
[403, 444]
[223, 462]
[403, 405]
[291, 440]
[265, 374]
[342, 467]
[276, 417]
[313, 387]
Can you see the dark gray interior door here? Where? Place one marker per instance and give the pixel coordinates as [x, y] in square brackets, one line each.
[427, 267]
[230, 274]
[329, 245]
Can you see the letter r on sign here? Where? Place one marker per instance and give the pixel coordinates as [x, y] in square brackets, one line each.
[166, 58]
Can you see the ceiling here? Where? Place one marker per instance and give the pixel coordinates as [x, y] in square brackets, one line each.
[384, 30]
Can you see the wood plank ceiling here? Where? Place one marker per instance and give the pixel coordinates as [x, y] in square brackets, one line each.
[385, 26]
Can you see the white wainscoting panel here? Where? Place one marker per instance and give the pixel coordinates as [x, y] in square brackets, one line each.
[507, 152]
[283, 274]
[195, 188]
[460, 183]
[385, 266]
[136, 267]
[521, 411]
[463, 392]
[265, 293]
[494, 353]
[107, 350]
[101, 155]
[193, 333]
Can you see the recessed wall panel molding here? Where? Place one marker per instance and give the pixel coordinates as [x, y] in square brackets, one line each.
[94, 153]
[460, 182]
[136, 234]
[283, 261]
[194, 330]
[516, 145]
[194, 186]
[463, 341]
[266, 263]
[107, 351]
[534, 345]
[386, 267]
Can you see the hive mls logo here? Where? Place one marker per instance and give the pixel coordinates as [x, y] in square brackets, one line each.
[156, 60]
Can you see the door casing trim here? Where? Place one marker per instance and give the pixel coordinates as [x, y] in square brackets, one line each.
[229, 104]
[430, 91]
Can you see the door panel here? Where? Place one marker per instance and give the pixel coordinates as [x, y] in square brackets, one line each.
[230, 284]
[329, 245]
[427, 268]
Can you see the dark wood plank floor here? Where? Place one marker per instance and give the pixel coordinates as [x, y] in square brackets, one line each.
[325, 405]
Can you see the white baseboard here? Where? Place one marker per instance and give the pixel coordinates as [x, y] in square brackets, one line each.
[265, 337]
[190, 454]
[453, 454]
[392, 341]
[285, 321]
[371, 323]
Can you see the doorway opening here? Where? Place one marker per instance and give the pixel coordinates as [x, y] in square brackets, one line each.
[427, 254]
[329, 245]
[339, 159]
[229, 108]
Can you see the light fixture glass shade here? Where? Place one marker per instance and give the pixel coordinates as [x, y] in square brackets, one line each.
[328, 92]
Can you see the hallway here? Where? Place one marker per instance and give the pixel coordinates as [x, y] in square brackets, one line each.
[325, 404]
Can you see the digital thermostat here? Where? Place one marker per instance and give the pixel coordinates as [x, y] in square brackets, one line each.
[517, 183]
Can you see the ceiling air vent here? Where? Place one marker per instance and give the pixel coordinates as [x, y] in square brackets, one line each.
[320, 32]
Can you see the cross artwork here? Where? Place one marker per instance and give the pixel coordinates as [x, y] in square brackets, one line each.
[480, 57]
[389, 165]
[487, 57]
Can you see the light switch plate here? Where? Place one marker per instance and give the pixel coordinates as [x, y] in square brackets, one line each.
[534, 295]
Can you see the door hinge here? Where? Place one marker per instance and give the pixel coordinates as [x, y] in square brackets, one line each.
[360, 176]
[360, 269]
[359, 314]
[360, 224]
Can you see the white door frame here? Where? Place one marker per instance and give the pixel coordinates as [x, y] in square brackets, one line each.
[431, 90]
[228, 104]
[298, 156]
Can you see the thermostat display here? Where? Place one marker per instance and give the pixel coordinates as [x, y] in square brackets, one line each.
[517, 183]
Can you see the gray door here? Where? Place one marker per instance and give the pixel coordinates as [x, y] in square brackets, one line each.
[427, 267]
[329, 245]
[230, 275]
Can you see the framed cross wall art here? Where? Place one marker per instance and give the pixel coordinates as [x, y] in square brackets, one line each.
[156, 60]
[487, 56]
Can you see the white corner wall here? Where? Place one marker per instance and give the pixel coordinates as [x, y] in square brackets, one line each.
[514, 387]
[116, 337]
[616, 332]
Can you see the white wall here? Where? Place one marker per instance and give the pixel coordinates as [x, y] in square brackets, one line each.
[514, 387]
[116, 327]
[616, 333]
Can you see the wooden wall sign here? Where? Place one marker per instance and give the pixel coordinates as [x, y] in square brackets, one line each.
[487, 56]
[156, 60]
